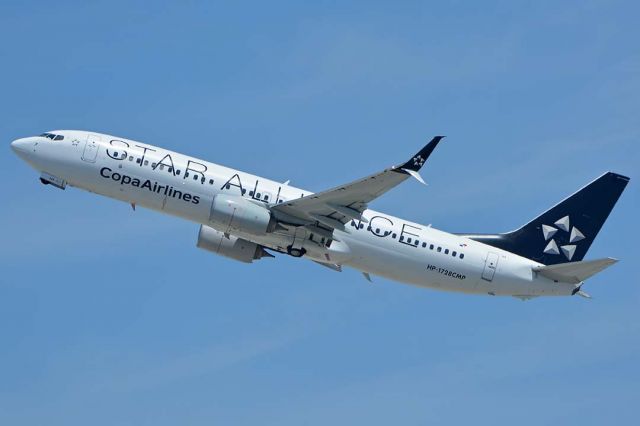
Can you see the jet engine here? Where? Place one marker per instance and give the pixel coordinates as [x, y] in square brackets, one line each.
[233, 213]
[233, 247]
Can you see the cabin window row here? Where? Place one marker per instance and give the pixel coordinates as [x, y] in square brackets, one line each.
[410, 240]
[197, 176]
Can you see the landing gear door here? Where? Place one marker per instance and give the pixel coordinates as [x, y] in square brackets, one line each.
[490, 266]
[91, 148]
[300, 234]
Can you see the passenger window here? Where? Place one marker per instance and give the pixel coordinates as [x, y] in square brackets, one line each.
[439, 249]
[250, 193]
[431, 247]
[131, 158]
[266, 198]
[409, 240]
[369, 228]
[461, 255]
[170, 169]
[227, 186]
[424, 245]
[211, 182]
[186, 174]
[146, 162]
[257, 195]
[362, 226]
[401, 238]
[394, 236]
[177, 172]
[153, 165]
[202, 180]
[446, 251]
[195, 177]
[453, 253]
[139, 161]
[377, 230]
[161, 166]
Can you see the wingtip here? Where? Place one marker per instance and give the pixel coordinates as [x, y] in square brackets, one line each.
[434, 141]
[417, 161]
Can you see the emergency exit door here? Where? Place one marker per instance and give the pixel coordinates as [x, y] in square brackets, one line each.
[91, 148]
[490, 266]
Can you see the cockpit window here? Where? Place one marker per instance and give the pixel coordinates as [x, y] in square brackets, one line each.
[52, 136]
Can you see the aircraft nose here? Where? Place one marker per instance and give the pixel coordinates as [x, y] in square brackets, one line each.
[25, 148]
[21, 146]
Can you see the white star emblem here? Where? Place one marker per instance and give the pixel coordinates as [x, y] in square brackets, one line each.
[562, 224]
[418, 161]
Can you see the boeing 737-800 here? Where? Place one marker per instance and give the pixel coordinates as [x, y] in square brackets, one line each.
[245, 217]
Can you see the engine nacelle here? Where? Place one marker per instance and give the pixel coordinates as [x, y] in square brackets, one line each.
[233, 213]
[233, 247]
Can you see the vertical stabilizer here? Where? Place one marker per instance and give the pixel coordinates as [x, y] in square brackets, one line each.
[565, 232]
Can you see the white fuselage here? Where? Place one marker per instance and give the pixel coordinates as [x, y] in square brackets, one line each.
[176, 184]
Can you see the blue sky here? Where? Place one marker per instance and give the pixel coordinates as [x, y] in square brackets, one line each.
[113, 317]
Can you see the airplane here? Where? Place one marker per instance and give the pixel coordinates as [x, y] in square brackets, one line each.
[247, 218]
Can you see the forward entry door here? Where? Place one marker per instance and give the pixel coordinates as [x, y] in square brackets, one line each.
[91, 148]
[490, 266]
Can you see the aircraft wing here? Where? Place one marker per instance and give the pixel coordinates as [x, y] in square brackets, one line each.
[331, 209]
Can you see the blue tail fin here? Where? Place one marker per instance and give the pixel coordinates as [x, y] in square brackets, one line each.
[565, 232]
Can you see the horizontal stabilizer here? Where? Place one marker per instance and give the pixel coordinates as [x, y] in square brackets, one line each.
[574, 272]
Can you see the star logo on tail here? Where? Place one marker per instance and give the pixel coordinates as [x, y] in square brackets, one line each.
[562, 225]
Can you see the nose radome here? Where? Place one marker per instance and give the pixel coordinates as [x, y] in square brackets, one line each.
[21, 146]
[25, 148]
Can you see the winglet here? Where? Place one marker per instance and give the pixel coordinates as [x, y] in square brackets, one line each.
[583, 294]
[418, 160]
[415, 175]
